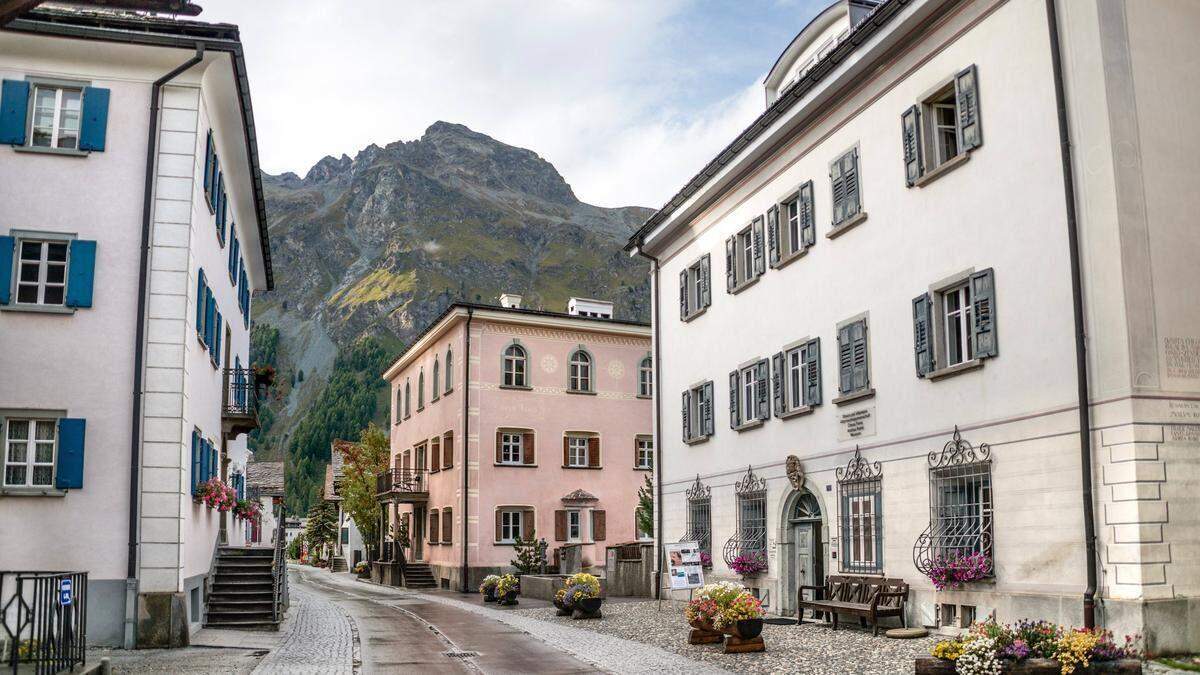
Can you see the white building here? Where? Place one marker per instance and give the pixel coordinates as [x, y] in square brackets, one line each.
[132, 236]
[349, 548]
[897, 236]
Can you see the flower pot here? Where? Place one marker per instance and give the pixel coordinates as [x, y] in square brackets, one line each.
[589, 605]
[489, 595]
[509, 598]
[747, 629]
[703, 624]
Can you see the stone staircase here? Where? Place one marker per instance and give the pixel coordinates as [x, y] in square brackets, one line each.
[339, 565]
[242, 593]
[418, 575]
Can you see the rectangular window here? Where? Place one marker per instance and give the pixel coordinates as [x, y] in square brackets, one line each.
[944, 120]
[511, 448]
[844, 178]
[511, 526]
[860, 489]
[798, 379]
[698, 412]
[56, 115]
[749, 393]
[956, 307]
[574, 525]
[749, 382]
[853, 365]
[30, 447]
[694, 284]
[745, 251]
[943, 127]
[795, 230]
[645, 453]
[577, 451]
[42, 272]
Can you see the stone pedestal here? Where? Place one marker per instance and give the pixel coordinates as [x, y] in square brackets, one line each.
[162, 621]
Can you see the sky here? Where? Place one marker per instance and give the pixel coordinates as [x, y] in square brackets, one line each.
[627, 99]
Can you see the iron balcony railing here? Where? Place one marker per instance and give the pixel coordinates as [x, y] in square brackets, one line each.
[402, 480]
[44, 616]
[240, 398]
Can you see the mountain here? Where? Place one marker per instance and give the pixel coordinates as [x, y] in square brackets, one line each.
[368, 250]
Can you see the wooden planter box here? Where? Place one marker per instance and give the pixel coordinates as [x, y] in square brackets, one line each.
[929, 665]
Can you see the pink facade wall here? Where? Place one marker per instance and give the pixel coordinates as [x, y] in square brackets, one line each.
[614, 412]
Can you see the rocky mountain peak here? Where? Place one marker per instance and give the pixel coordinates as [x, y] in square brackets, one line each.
[328, 168]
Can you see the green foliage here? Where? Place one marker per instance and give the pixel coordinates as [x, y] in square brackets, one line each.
[345, 406]
[365, 461]
[531, 554]
[264, 350]
[293, 549]
[645, 507]
[321, 530]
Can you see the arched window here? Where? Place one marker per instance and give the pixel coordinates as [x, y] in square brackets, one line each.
[437, 379]
[421, 391]
[407, 398]
[449, 369]
[515, 372]
[581, 371]
[646, 378]
[399, 404]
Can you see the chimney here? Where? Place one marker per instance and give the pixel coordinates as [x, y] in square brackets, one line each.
[510, 300]
[599, 309]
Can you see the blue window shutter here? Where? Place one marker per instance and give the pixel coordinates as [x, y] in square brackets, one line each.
[94, 123]
[214, 463]
[14, 106]
[200, 282]
[210, 317]
[7, 245]
[83, 269]
[233, 256]
[208, 163]
[195, 459]
[217, 182]
[217, 341]
[69, 470]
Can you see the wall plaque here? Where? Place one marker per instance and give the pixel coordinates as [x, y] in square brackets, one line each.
[857, 423]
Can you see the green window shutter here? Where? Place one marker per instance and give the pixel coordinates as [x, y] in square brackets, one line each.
[853, 185]
[14, 110]
[210, 317]
[773, 243]
[93, 119]
[82, 273]
[734, 408]
[838, 187]
[910, 136]
[217, 339]
[730, 272]
[205, 456]
[778, 380]
[683, 294]
[808, 219]
[687, 411]
[923, 333]
[7, 246]
[760, 259]
[966, 94]
[68, 471]
[845, 360]
[201, 283]
[706, 280]
[812, 372]
[706, 409]
[208, 164]
[983, 300]
[196, 469]
[762, 390]
[858, 334]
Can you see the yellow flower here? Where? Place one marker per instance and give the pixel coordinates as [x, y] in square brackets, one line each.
[1073, 648]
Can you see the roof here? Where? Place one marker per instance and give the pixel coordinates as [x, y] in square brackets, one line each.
[878, 17]
[337, 457]
[267, 477]
[517, 311]
[159, 31]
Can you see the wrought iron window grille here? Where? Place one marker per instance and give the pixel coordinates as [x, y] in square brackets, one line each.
[751, 534]
[960, 505]
[860, 505]
[699, 515]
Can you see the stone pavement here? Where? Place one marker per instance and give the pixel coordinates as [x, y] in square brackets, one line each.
[317, 637]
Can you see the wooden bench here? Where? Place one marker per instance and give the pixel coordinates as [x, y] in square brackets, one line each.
[870, 598]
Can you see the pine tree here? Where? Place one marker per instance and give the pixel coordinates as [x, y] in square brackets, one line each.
[645, 507]
[322, 528]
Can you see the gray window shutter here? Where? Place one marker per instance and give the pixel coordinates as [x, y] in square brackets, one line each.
[812, 372]
[778, 380]
[730, 274]
[839, 191]
[705, 281]
[762, 390]
[683, 294]
[853, 184]
[923, 333]
[845, 360]
[966, 94]
[760, 260]
[808, 220]
[983, 299]
[773, 243]
[910, 130]
[687, 409]
[858, 333]
[733, 399]
[706, 405]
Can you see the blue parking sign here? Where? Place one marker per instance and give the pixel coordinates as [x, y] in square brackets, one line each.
[64, 592]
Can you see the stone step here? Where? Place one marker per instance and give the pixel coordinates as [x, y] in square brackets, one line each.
[244, 625]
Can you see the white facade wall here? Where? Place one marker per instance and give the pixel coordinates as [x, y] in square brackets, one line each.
[1003, 209]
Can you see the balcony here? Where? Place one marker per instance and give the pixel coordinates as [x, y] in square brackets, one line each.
[403, 486]
[239, 402]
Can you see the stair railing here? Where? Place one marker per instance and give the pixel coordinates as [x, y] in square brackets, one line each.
[279, 569]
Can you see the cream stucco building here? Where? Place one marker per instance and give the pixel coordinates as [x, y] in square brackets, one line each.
[923, 267]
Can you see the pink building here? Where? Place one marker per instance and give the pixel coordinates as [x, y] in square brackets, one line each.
[554, 413]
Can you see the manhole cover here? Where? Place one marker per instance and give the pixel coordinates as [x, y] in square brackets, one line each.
[460, 655]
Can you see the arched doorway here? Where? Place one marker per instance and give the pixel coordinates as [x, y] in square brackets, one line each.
[802, 558]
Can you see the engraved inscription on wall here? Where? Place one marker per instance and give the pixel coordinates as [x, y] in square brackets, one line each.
[1185, 433]
[1182, 356]
[857, 423]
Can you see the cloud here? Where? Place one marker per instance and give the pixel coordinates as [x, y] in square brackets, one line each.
[623, 98]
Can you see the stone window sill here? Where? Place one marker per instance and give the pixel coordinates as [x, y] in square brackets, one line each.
[62, 152]
[582, 468]
[695, 441]
[786, 260]
[32, 492]
[695, 313]
[38, 309]
[942, 169]
[796, 412]
[840, 229]
[516, 387]
[513, 465]
[643, 468]
[644, 397]
[856, 396]
[743, 285]
[746, 426]
[949, 371]
[582, 392]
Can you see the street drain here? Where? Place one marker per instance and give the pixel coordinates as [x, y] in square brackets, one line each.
[460, 655]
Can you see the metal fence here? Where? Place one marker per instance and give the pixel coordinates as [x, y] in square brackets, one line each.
[699, 516]
[44, 616]
[960, 505]
[751, 535]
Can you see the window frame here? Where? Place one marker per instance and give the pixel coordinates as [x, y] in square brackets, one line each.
[437, 379]
[697, 428]
[449, 374]
[421, 390]
[31, 442]
[867, 390]
[59, 86]
[645, 453]
[699, 276]
[407, 397]
[965, 312]
[859, 214]
[511, 518]
[572, 441]
[646, 377]
[516, 356]
[581, 372]
[44, 240]
[577, 514]
[506, 447]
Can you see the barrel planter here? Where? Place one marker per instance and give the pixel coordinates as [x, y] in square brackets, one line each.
[587, 608]
[931, 665]
[509, 598]
[489, 595]
[703, 633]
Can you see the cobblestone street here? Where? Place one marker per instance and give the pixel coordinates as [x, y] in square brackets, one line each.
[318, 637]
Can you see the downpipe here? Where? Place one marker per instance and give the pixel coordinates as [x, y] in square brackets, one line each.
[131, 580]
[466, 446]
[658, 453]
